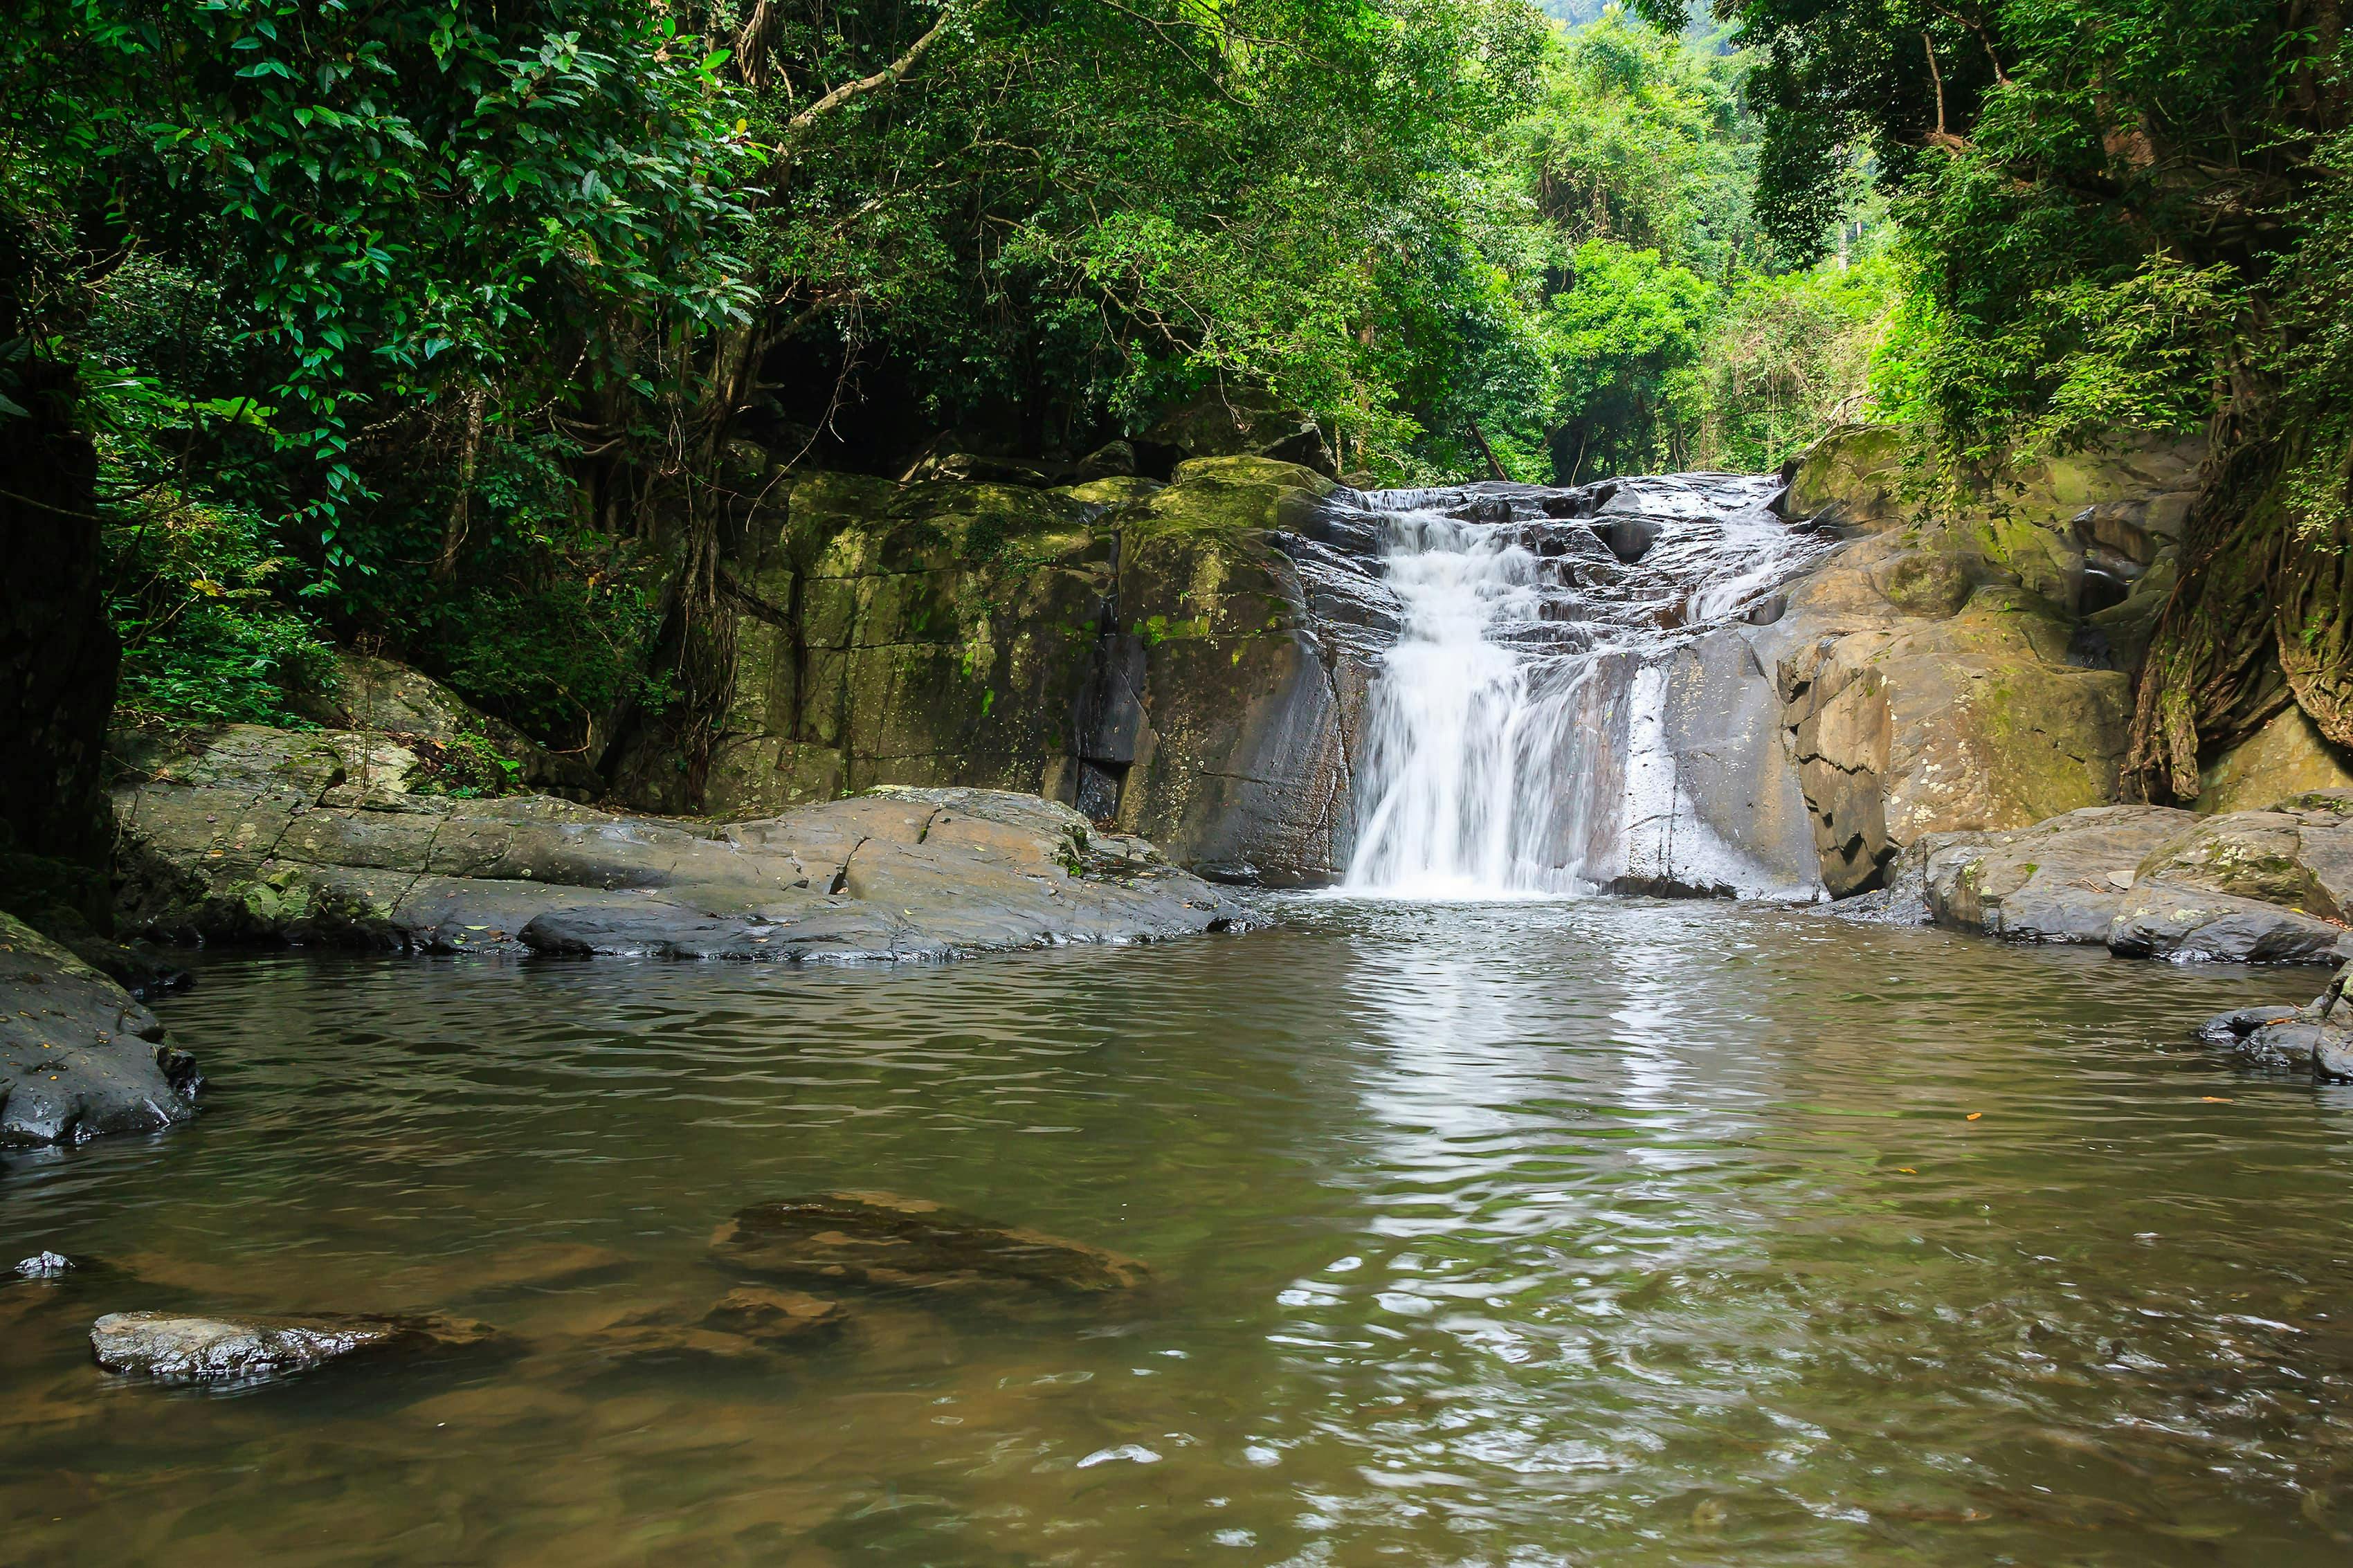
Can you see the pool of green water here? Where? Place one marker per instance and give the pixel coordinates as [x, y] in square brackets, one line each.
[1600, 1232]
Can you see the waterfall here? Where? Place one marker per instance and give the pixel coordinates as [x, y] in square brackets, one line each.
[1516, 736]
[1459, 753]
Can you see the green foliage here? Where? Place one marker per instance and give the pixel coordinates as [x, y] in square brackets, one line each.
[349, 284]
[1791, 355]
[405, 198]
[1642, 139]
[2090, 191]
[1627, 336]
[206, 638]
[1088, 211]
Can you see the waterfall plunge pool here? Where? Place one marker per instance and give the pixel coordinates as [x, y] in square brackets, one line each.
[1595, 1231]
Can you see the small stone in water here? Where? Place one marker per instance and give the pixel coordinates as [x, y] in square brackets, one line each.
[46, 1266]
[1135, 1453]
[175, 1348]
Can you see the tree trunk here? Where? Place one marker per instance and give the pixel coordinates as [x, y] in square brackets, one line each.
[58, 657]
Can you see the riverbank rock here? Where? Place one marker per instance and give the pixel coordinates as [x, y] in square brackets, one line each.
[380, 696]
[881, 1240]
[2257, 887]
[1960, 665]
[176, 1348]
[246, 834]
[77, 1056]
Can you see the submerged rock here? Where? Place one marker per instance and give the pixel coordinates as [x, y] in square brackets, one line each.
[181, 1348]
[77, 1056]
[885, 1241]
[750, 1329]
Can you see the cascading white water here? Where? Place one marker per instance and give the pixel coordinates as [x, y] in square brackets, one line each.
[1517, 738]
[1460, 751]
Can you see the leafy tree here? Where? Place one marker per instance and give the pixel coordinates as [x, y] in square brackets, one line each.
[1627, 336]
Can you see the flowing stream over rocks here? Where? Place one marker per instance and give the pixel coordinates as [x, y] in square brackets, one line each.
[1515, 737]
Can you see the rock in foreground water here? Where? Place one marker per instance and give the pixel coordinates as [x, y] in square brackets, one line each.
[886, 1241]
[181, 1348]
[77, 1056]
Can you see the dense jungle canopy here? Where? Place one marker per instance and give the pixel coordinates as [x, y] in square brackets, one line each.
[429, 325]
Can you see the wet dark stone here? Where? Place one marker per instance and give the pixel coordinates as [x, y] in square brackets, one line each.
[77, 1056]
[175, 1347]
[1628, 537]
[886, 1241]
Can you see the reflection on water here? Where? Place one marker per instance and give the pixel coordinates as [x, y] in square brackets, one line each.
[1601, 1232]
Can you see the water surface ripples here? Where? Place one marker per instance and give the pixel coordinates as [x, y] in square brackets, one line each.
[1573, 1232]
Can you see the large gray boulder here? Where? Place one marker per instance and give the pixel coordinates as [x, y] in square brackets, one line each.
[2254, 887]
[258, 835]
[77, 1056]
[2059, 881]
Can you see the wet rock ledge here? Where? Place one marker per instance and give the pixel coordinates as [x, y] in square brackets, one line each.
[248, 834]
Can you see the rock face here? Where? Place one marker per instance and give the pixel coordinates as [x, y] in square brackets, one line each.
[1144, 653]
[881, 1240]
[1961, 667]
[171, 1348]
[2288, 756]
[77, 1056]
[1190, 662]
[2260, 887]
[253, 834]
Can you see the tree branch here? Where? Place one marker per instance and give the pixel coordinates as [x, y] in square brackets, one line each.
[800, 124]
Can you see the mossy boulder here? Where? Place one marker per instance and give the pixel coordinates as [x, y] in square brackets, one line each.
[2288, 756]
[1945, 671]
[2104, 514]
